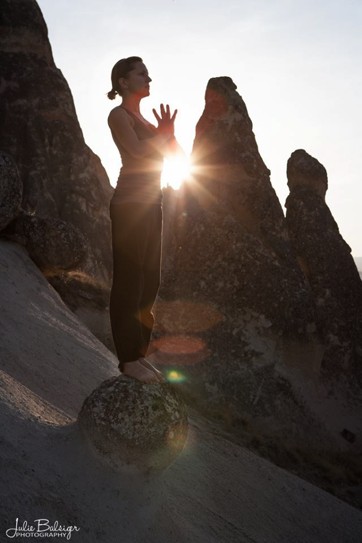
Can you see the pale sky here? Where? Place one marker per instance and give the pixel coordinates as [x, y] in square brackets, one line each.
[296, 63]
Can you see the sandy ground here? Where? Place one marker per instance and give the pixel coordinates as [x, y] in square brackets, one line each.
[216, 491]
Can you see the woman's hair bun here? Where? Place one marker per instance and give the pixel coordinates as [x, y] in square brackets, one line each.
[112, 94]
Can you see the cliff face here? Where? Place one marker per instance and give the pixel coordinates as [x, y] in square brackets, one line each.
[61, 176]
[239, 317]
[327, 263]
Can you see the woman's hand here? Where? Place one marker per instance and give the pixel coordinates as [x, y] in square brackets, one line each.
[166, 122]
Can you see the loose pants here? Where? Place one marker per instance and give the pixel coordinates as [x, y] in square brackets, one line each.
[136, 242]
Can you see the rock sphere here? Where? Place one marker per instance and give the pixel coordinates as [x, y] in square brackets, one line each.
[54, 245]
[129, 422]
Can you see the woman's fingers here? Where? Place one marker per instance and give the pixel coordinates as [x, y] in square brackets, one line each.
[156, 115]
[166, 113]
[164, 119]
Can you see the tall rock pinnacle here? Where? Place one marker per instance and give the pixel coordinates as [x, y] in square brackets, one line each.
[61, 176]
[231, 174]
[327, 263]
[232, 243]
[233, 294]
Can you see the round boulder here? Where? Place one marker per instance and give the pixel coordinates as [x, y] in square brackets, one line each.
[11, 190]
[131, 423]
[53, 244]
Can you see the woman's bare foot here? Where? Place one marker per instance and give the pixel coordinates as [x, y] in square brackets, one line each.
[152, 368]
[139, 371]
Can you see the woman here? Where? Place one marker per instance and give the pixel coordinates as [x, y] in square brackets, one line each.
[136, 215]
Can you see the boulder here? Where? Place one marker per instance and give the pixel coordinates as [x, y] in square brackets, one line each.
[11, 190]
[327, 263]
[54, 245]
[131, 423]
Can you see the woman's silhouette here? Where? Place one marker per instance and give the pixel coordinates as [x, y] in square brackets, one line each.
[136, 215]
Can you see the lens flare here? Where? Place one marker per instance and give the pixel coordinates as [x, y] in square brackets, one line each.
[175, 376]
[175, 170]
[181, 317]
[179, 350]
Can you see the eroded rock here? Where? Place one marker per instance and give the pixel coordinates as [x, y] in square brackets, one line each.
[305, 172]
[61, 177]
[229, 260]
[229, 250]
[11, 190]
[54, 245]
[327, 262]
[128, 422]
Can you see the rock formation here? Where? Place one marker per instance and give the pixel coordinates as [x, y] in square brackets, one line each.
[10, 190]
[238, 293]
[327, 263]
[128, 422]
[232, 246]
[246, 318]
[61, 177]
[53, 244]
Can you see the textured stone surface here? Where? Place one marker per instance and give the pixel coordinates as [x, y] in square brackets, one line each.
[216, 491]
[232, 243]
[306, 173]
[132, 423]
[229, 260]
[230, 246]
[54, 245]
[10, 190]
[61, 176]
[327, 263]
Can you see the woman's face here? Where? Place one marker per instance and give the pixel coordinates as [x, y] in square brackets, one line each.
[137, 81]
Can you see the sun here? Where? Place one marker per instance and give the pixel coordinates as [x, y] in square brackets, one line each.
[176, 169]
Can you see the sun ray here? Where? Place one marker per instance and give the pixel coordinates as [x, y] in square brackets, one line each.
[176, 169]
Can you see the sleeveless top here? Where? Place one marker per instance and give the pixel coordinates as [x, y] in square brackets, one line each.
[139, 180]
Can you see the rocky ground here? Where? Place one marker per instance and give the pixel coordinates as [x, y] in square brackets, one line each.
[216, 490]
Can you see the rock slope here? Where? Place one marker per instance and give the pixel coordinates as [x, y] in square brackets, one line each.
[215, 491]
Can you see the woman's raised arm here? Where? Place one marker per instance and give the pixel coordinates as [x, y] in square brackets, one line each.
[120, 124]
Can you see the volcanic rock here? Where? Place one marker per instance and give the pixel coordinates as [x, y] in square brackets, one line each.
[10, 190]
[327, 263]
[61, 177]
[231, 282]
[128, 422]
[216, 490]
[54, 245]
